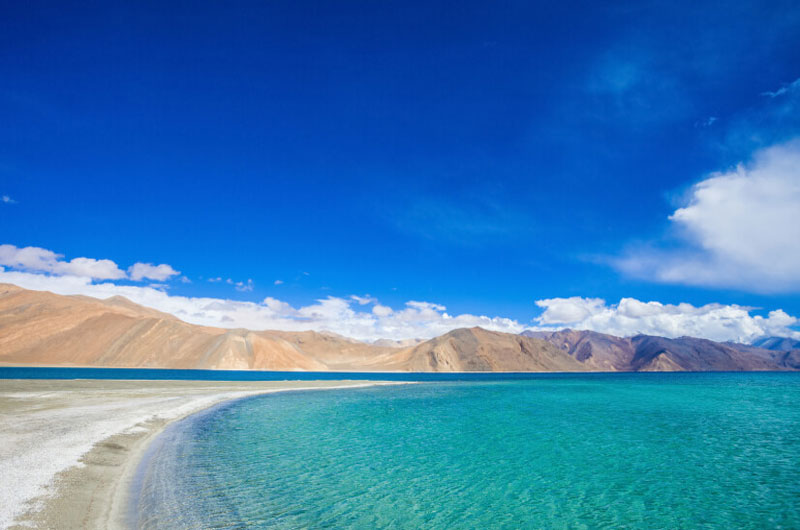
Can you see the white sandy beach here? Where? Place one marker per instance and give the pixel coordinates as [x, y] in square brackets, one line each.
[68, 449]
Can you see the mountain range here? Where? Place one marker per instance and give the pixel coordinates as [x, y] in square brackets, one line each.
[39, 328]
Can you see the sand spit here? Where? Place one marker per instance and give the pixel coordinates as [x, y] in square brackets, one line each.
[69, 449]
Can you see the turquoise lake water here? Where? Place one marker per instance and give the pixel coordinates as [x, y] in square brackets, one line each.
[161, 374]
[714, 450]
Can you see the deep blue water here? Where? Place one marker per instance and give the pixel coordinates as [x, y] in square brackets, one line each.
[159, 374]
[664, 450]
[254, 375]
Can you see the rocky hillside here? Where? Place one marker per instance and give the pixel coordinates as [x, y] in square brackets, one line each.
[476, 349]
[648, 353]
[777, 343]
[41, 328]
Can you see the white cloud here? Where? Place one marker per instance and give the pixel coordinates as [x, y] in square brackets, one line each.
[140, 271]
[632, 317]
[37, 259]
[28, 258]
[573, 309]
[244, 286]
[795, 85]
[740, 229]
[277, 306]
[381, 310]
[7, 200]
[100, 269]
[278, 282]
[364, 300]
[239, 286]
[425, 307]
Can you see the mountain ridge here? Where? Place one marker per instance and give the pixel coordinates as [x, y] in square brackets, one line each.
[648, 352]
[39, 328]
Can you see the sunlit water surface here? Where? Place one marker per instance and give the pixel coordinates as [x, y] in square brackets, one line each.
[578, 451]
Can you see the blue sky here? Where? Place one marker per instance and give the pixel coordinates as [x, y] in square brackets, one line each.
[481, 156]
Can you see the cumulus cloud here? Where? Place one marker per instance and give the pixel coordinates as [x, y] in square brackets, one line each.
[41, 260]
[278, 282]
[7, 200]
[37, 259]
[573, 309]
[632, 317]
[140, 271]
[381, 310]
[739, 229]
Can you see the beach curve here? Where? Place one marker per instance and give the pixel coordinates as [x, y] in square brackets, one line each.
[69, 449]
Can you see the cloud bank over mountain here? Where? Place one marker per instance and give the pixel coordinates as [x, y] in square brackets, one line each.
[630, 317]
[365, 317]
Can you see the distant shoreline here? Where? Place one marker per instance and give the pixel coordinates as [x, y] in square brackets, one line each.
[300, 375]
[92, 434]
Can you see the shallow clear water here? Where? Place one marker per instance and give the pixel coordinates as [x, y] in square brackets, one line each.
[630, 450]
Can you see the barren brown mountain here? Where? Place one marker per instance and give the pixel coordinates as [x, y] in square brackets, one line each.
[596, 351]
[476, 349]
[645, 353]
[41, 328]
[45, 329]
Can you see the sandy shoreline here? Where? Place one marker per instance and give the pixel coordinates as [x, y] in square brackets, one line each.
[69, 448]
